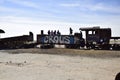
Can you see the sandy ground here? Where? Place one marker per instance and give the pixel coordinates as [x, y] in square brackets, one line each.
[58, 64]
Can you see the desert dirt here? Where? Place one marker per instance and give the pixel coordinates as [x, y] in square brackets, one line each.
[59, 64]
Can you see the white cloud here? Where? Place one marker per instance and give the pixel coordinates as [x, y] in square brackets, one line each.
[92, 7]
[8, 9]
[102, 7]
[25, 3]
[70, 4]
[15, 26]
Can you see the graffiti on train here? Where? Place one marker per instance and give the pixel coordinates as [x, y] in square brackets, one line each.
[58, 39]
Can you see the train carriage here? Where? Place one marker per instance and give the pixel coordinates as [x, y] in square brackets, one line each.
[70, 41]
[16, 42]
[96, 38]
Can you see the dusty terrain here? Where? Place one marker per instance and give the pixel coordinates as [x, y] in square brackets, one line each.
[58, 64]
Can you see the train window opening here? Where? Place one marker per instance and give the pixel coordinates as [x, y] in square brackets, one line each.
[83, 33]
[90, 32]
[93, 32]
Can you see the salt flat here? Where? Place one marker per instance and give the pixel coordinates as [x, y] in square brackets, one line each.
[37, 64]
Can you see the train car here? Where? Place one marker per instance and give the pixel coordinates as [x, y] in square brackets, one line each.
[115, 43]
[96, 38]
[99, 38]
[16, 42]
[70, 41]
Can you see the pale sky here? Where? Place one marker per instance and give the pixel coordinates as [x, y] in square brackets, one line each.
[18, 17]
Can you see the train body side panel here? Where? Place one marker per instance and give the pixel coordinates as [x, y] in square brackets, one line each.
[55, 39]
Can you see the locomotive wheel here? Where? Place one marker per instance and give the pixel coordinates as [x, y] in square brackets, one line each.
[116, 47]
[72, 46]
[47, 46]
[105, 47]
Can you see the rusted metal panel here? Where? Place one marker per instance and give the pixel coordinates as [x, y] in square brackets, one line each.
[15, 42]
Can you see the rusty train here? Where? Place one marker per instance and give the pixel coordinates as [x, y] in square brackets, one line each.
[95, 38]
[17, 42]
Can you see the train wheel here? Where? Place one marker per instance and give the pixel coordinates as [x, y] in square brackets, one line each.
[116, 47]
[105, 47]
[66, 46]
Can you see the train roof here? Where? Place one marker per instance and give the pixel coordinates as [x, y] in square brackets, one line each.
[18, 38]
[23, 37]
[93, 28]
